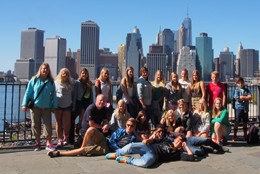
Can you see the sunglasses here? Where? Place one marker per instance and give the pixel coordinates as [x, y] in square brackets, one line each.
[160, 131]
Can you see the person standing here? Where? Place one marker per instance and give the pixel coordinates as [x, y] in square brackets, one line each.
[215, 89]
[64, 91]
[44, 105]
[242, 95]
[185, 83]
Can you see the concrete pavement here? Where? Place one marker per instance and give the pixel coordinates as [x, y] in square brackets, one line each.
[242, 159]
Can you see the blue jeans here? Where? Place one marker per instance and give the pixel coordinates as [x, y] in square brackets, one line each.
[194, 143]
[147, 158]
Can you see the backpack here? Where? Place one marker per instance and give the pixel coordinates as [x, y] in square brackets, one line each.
[253, 137]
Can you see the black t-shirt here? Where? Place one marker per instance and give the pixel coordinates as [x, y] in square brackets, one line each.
[94, 114]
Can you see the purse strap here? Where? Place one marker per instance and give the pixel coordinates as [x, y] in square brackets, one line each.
[40, 91]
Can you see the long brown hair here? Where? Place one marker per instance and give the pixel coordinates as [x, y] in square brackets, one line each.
[86, 82]
[215, 112]
[129, 81]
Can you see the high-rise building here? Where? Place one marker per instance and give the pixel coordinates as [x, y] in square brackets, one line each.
[134, 51]
[31, 54]
[204, 56]
[186, 59]
[55, 53]
[248, 62]
[226, 65]
[188, 31]
[89, 47]
[121, 61]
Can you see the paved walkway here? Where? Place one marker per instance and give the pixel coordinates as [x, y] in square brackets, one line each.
[242, 159]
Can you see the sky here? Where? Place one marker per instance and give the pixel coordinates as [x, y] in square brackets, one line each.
[228, 22]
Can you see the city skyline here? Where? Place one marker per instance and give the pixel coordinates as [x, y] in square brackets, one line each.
[228, 23]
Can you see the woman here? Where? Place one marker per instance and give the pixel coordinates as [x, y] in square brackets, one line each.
[103, 86]
[119, 117]
[197, 89]
[169, 122]
[201, 123]
[144, 92]
[174, 92]
[64, 90]
[128, 87]
[185, 83]
[220, 122]
[158, 95]
[142, 126]
[83, 95]
[44, 105]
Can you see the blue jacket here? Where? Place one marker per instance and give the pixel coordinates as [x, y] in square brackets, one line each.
[46, 99]
[116, 136]
[244, 105]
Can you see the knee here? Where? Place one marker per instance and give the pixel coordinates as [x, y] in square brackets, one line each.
[217, 125]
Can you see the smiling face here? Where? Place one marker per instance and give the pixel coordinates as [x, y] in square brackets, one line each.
[100, 101]
[44, 71]
[218, 104]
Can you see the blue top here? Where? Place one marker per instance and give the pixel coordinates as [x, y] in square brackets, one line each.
[117, 136]
[243, 105]
[46, 99]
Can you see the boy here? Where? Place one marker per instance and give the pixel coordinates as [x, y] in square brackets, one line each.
[241, 97]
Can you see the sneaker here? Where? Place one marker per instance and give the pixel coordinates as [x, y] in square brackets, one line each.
[234, 139]
[59, 144]
[50, 147]
[53, 154]
[65, 143]
[111, 156]
[37, 147]
[122, 159]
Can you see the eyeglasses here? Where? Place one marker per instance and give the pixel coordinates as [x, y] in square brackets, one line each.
[160, 131]
[129, 125]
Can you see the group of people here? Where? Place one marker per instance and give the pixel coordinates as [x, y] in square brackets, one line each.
[160, 121]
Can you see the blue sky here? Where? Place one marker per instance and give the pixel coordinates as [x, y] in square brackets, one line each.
[228, 22]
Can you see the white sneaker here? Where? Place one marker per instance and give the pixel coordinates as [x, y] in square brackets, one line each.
[50, 147]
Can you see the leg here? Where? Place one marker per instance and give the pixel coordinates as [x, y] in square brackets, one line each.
[36, 124]
[73, 152]
[58, 117]
[46, 118]
[220, 131]
[66, 124]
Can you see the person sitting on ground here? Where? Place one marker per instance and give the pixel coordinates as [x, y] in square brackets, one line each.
[142, 126]
[99, 144]
[169, 121]
[119, 117]
[155, 149]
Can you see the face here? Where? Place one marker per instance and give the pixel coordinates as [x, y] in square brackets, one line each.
[83, 74]
[214, 78]
[240, 84]
[158, 76]
[201, 106]
[182, 106]
[100, 101]
[143, 118]
[64, 76]
[45, 70]
[195, 76]
[105, 74]
[145, 74]
[218, 104]
[171, 116]
[129, 127]
[130, 73]
[159, 133]
[121, 107]
[174, 78]
[183, 74]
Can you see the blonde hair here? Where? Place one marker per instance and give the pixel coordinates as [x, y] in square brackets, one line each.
[49, 76]
[215, 112]
[59, 76]
[103, 71]
[216, 73]
[124, 114]
[166, 116]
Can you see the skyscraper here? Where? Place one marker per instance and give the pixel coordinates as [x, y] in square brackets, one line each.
[226, 65]
[121, 61]
[249, 64]
[31, 53]
[134, 51]
[55, 53]
[188, 31]
[89, 47]
[204, 56]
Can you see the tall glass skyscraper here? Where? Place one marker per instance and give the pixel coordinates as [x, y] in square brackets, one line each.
[89, 47]
[204, 56]
[188, 32]
[134, 51]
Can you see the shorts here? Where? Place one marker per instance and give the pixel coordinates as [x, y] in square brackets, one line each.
[98, 146]
[241, 116]
[65, 109]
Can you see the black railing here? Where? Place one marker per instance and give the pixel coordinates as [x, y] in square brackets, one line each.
[15, 125]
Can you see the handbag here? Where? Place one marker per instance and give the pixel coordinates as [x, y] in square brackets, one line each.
[30, 102]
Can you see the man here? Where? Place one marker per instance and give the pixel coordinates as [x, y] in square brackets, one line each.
[215, 89]
[157, 148]
[99, 144]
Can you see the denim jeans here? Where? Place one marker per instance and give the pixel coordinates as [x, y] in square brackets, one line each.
[147, 158]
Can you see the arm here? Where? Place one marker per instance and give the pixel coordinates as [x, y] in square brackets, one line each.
[140, 92]
[28, 94]
[224, 101]
[221, 118]
[124, 89]
[113, 139]
[97, 87]
[202, 89]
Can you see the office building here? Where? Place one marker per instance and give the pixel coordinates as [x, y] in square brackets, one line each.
[121, 61]
[134, 51]
[89, 47]
[204, 56]
[31, 54]
[226, 65]
[55, 53]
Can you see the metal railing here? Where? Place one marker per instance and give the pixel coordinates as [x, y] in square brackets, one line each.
[15, 125]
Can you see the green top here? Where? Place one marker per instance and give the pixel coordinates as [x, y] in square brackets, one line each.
[223, 118]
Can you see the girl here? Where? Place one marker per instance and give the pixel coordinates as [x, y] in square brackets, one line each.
[142, 126]
[169, 121]
[119, 117]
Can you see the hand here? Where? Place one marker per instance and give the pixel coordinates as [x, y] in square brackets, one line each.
[105, 128]
[24, 108]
